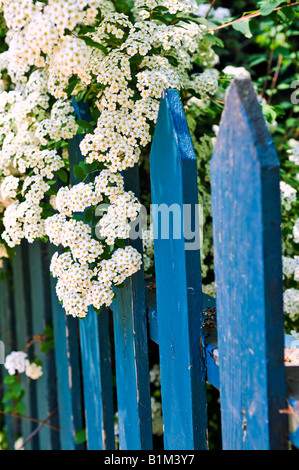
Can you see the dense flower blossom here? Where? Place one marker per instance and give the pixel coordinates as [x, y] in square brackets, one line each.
[18, 362]
[59, 49]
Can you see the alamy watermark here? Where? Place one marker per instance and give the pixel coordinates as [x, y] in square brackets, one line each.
[2, 352]
[295, 94]
[165, 222]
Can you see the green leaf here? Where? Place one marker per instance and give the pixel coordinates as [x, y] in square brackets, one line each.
[62, 175]
[172, 60]
[9, 408]
[7, 397]
[17, 390]
[267, 6]
[51, 182]
[286, 14]
[88, 215]
[21, 408]
[95, 44]
[80, 436]
[46, 346]
[214, 40]
[86, 125]
[243, 27]
[79, 172]
[9, 379]
[73, 81]
[269, 113]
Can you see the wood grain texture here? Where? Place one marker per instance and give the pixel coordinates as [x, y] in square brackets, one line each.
[178, 281]
[247, 244]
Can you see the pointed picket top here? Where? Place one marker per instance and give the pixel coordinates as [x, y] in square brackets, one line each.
[178, 280]
[247, 248]
[242, 115]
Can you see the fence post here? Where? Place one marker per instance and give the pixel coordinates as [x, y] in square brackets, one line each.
[247, 244]
[178, 280]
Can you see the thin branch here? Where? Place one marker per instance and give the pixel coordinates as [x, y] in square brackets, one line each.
[268, 72]
[251, 15]
[275, 78]
[36, 430]
[28, 418]
[210, 9]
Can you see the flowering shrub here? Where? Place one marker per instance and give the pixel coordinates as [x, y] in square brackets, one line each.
[122, 65]
[118, 57]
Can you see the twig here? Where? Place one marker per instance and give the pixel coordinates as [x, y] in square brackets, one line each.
[268, 72]
[251, 15]
[28, 418]
[275, 78]
[209, 10]
[42, 423]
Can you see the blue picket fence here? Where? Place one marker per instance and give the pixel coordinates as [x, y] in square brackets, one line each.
[100, 365]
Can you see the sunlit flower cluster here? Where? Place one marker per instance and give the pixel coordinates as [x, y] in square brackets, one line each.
[127, 64]
[26, 163]
[18, 362]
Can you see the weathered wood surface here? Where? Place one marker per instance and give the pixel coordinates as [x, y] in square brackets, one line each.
[131, 353]
[178, 281]
[68, 373]
[247, 245]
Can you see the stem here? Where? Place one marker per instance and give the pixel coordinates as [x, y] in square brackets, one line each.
[35, 420]
[42, 423]
[251, 15]
[209, 10]
[275, 78]
[268, 72]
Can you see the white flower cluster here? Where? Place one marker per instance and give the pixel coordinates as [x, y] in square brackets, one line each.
[296, 231]
[294, 151]
[291, 302]
[127, 64]
[288, 195]
[205, 84]
[165, 55]
[37, 29]
[81, 285]
[17, 362]
[291, 267]
[27, 126]
[148, 248]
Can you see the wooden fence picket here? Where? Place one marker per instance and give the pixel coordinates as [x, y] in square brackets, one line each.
[247, 245]
[178, 281]
[241, 354]
[22, 318]
[68, 370]
[131, 353]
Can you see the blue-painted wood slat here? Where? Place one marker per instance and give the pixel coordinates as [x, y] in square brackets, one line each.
[178, 280]
[68, 374]
[7, 336]
[95, 357]
[23, 333]
[41, 316]
[131, 353]
[247, 245]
